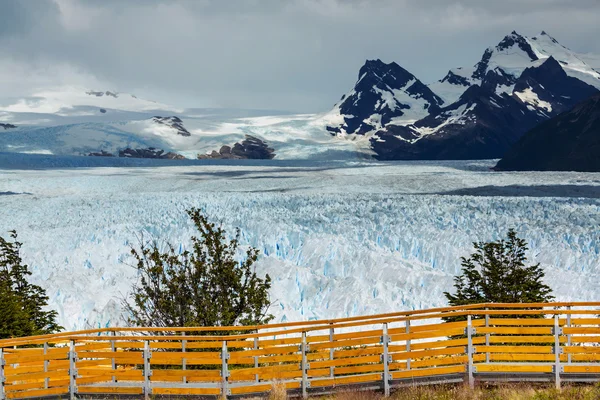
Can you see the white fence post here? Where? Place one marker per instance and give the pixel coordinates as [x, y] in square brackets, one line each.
[183, 359]
[147, 371]
[331, 353]
[557, 351]
[46, 363]
[470, 352]
[72, 371]
[256, 377]
[487, 336]
[386, 361]
[408, 344]
[569, 335]
[2, 379]
[304, 365]
[113, 363]
[224, 370]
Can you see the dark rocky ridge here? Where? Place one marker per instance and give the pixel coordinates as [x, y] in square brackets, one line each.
[251, 148]
[100, 94]
[567, 142]
[150, 152]
[7, 126]
[174, 122]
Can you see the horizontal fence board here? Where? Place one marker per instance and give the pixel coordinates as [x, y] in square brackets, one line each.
[279, 342]
[515, 330]
[24, 386]
[523, 357]
[582, 369]
[427, 353]
[36, 375]
[584, 339]
[205, 355]
[434, 362]
[128, 345]
[346, 380]
[345, 343]
[186, 391]
[415, 373]
[38, 393]
[158, 374]
[357, 335]
[526, 339]
[317, 339]
[585, 321]
[428, 334]
[525, 322]
[109, 390]
[581, 349]
[512, 368]
[585, 330]
[359, 352]
[515, 349]
[430, 327]
[122, 375]
[592, 357]
[105, 346]
[262, 388]
[346, 361]
[358, 369]
[264, 351]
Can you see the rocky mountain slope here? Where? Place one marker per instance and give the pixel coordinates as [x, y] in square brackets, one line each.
[568, 142]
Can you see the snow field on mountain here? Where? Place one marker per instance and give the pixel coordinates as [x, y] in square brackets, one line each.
[338, 239]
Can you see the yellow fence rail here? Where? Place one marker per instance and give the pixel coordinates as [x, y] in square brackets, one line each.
[549, 342]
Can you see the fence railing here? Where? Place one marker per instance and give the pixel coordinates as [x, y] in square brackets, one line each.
[551, 342]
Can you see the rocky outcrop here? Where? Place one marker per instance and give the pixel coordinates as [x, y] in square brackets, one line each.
[150, 152]
[251, 148]
[7, 126]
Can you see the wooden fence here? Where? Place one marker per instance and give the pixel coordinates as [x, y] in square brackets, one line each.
[550, 342]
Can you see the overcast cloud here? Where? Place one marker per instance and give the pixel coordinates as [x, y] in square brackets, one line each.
[297, 55]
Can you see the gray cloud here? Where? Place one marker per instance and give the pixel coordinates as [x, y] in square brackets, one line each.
[300, 55]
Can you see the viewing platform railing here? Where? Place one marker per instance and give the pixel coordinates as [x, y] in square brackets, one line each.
[546, 342]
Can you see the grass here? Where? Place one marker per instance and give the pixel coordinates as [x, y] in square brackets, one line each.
[460, 392]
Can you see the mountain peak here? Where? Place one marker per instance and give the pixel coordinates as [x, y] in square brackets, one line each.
[515, 39]
[384, 91]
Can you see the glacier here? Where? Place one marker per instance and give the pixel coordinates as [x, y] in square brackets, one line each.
[338, 238]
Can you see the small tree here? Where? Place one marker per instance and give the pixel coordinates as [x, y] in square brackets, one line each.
[23, 306]
[496, 273]
[202, 287]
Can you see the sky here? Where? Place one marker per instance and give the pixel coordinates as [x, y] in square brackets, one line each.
[295, 55]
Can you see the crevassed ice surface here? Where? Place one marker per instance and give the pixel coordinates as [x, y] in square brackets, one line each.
[338, 238]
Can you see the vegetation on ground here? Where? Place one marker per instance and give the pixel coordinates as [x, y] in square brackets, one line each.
[497, 273]
[23, 305]
[204, 286]
[461, 392]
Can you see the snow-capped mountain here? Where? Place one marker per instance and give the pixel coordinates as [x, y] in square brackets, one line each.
[79, 101]
[383, 94]
[509, 59]
[515, 86]
[473, 112]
